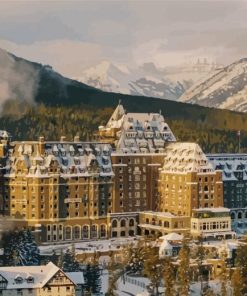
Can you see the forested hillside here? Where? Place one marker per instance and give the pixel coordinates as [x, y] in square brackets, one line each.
[215, 130]
[44, 103]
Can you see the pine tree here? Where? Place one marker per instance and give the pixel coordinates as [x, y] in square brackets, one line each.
[134, 257]
[153, 268]
[223, 275]
[183, 269]
[241, 261]
[9, 245]
[92, 277]
[31, 249]
[236, 281]
[169, 277]
[200, 257]
[70, 264]
[20, 249]
[112, 278]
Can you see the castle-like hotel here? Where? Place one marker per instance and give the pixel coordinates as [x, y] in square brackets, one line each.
[135, 178]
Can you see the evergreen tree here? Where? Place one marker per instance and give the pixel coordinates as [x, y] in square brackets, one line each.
[31, 249]
[153, 268]
[223, 275]
[20, 249]
[70, 264]
[9, 244]
[169, 277]
[113, 276]
[92, 277]
[236, 281]
[241, 261]
[60, 260]
[135, 256]
[183, 269]
[200, 257]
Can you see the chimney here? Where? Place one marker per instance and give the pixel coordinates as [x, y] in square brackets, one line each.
[62, 139]
[76, 139]
[41, 145]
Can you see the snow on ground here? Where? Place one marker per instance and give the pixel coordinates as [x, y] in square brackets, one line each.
[88, 246]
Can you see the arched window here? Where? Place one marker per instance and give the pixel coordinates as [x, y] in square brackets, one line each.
[233, 216]
[153, 221]
[131, 222]
[240, 215]
[160, 223]
[123, 223]
[68, 232]
[245, 215]
[147, 221]
[94, 231]
[166, 224]
[114, 223]
[85, 231]
[102, 230]
[77, 231]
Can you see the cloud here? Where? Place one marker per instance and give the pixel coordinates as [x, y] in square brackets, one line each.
[66, 56]
[18, 81]
[73, 37]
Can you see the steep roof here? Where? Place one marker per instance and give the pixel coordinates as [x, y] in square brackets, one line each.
[185, 157]
[40, 274]
[72, 159]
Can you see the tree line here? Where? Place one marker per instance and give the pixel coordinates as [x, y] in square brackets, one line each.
[213, 134]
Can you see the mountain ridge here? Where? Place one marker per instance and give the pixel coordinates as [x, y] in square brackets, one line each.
[225, 89]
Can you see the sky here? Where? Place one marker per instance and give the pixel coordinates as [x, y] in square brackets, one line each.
[74, 35]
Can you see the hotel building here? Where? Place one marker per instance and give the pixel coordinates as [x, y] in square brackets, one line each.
[188, 181]
[73, 190]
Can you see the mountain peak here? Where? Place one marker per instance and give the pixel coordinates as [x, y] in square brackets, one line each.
[226, 88]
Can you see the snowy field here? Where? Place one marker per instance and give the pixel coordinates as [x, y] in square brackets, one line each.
[88, 246]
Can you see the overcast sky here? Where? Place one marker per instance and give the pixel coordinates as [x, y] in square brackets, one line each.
[73, 35]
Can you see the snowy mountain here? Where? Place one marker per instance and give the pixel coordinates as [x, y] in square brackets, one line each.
[226, 88]
[147, 80]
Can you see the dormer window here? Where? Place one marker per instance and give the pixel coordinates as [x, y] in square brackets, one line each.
[30, 279]
[18, 279]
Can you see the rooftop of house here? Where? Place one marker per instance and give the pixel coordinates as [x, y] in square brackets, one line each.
[26, 277]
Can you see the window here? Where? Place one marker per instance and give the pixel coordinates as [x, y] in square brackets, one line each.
[131, 222]
[102, 230]
[94, 231]
[68, 232]
[123, 223]
[85, 231]
[114, 223]
[77, 231]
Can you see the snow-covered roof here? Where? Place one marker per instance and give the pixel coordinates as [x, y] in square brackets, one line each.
[172, 237]
[212, 210]
[165, 245]
[68, 158]
[185, 157]
[17, 276]
[234, 166]
[139, 132]
[76, 277]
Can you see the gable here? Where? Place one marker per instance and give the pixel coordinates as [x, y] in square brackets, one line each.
[60, 278]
